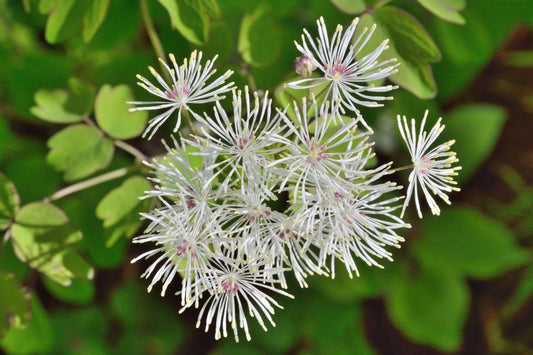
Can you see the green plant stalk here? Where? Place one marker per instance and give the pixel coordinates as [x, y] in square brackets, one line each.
[131, 150]
[115, 174]
[154, 38]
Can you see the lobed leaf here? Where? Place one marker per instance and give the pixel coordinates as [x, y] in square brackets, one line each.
[94, 17]
[430, 308]
[191, 18]
[446, 9]
[79, 151]
[112, 115]
[120, 208]
[260, 39]
[65, 18]
[352, 7]
[464, 241]
[410, 43]
[62, 106]
[43, 238]
[476, 129]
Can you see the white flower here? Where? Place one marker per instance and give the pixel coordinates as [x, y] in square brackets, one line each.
[245, 142]
[359, 224]
[432, 167]
[240, 288]
[189, 187]
[185, 246]
[189, 86]
[347, 77]
[319, 152]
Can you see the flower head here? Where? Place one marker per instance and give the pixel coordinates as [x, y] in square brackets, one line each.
[239, 288]
[189, 86]
[344, 72]
[432, 167]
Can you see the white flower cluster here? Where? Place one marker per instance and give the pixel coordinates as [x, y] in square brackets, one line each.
[261, 193]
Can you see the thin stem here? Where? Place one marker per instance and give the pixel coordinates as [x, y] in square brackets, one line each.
[189, 121]
[154, 38]
[115, 174]
[406, 167]
[131, 149]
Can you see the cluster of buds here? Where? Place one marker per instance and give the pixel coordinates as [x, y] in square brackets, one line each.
[263, 193]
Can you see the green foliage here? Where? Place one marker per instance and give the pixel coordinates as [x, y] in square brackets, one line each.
[43, 237]
[350, 7]
[191, 17]
[425, 288]
[9, 202]
[430, 307]
[462, 241]
[79, 292]
[259, 38]
[410, 43]
[36, 338]
[473, 149]
[15, 306]
[112, 115]
[61, 106]
[79, 151]
[120, 208]
[446, 9]
[93, 18]
[67, 18]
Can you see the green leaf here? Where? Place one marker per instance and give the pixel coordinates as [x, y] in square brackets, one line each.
[112, 115]
[51, 107]
[80, 292]
[259, 38]
[446, 9]
[81, 97]
[65, 18]
[352, 7]
[61, 106]
[120, 208]
[476, 129]
[430, 308]
[79, 151]
[43, 237]
[94, 18]
[15, 306]
[121, 201]
[9, 201]
[36, 338]
[464, 241]
[190, 18]
[409, 43]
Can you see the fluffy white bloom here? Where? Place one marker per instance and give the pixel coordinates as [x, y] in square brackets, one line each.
[244, 143]
[185, 246]
[189, 187]
[240, 287]
[189, 86]
[346, 74]
[358, 224]
[432, 167]
[319, 152]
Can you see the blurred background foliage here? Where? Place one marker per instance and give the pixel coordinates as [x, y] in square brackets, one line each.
[462, 283]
